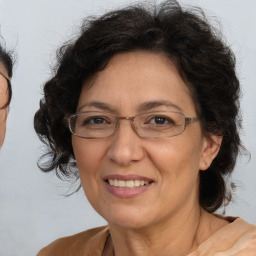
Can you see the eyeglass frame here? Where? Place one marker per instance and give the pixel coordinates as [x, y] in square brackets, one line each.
[9, 91]
[188, 120]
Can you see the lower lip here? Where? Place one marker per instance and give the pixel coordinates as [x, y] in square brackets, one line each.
[127, 192]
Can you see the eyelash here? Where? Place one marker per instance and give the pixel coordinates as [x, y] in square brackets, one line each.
[162, 117]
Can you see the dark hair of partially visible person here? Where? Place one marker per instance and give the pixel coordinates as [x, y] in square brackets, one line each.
[185, 36]
[6, 60]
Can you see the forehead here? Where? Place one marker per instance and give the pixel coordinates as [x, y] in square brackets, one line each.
[133, 78]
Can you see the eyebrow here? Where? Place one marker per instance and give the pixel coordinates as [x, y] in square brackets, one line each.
[97, 104]
[142, 107]
[158, 103]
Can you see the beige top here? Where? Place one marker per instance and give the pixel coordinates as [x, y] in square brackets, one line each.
[235, 239]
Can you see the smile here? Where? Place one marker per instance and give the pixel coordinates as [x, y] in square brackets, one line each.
[127, 186]
[127, 183]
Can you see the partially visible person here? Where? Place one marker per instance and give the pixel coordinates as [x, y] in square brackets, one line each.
[6, 66]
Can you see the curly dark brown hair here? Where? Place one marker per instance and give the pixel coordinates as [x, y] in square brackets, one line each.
[184, 35]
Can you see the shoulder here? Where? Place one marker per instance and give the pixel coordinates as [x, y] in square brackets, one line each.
[90, 242]
[238, 238]
[245, 242]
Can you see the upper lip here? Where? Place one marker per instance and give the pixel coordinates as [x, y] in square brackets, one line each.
[126, 177]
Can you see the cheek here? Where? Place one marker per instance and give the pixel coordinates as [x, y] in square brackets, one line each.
[3, 94]
[3, 116]
[177, 159]
[89, 156]
[177, 164]
[3, 112]
[171, 155]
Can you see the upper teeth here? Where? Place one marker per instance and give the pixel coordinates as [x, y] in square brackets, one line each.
[127, 183]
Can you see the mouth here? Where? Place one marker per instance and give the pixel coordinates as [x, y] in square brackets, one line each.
[128, 183]
[127, 186]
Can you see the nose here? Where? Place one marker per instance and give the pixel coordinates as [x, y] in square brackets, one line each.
[126, 146]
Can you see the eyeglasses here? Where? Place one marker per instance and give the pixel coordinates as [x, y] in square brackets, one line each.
[158, 124]
[9, 91]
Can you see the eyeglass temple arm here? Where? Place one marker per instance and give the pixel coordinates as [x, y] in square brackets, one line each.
[190, 120]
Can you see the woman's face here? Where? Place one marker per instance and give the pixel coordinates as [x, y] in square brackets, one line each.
[132, 82]
[3, 100]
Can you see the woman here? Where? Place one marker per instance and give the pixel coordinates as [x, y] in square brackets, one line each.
[145, 105]
[6, 64]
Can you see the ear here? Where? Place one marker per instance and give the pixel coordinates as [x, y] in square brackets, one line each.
[210, 149]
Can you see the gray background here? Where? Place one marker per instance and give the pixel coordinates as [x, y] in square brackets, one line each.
[33, 208]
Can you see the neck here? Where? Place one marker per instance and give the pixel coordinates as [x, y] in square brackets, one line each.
[177, 236]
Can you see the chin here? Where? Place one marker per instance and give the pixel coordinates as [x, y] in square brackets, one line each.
[127, 217]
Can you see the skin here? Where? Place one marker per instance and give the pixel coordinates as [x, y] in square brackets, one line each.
[167, 218]
[3, 100]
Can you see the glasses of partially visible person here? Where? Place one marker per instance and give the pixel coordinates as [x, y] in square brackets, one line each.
[158, 124]
[6, 66]
[7, 92]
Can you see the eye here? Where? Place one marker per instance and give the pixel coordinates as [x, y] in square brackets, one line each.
[160, 120]
[96, 120]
